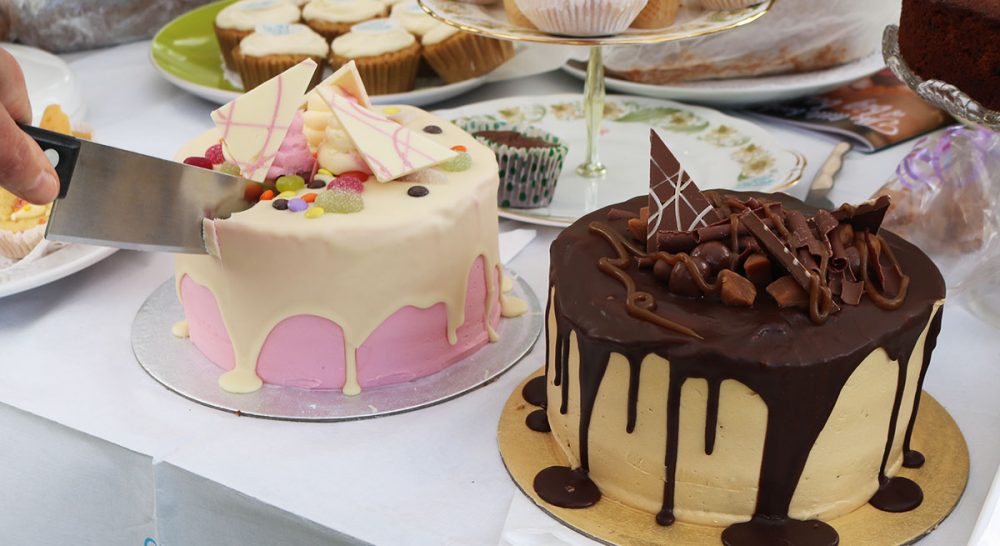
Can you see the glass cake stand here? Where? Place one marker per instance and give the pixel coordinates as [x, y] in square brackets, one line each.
[492, 21]
[983, 291]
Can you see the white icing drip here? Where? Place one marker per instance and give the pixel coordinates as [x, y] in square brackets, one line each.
[355, 270]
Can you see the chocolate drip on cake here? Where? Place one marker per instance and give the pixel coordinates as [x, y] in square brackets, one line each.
[538, 421]
[793, 364]
[911, 457]
[534, 392]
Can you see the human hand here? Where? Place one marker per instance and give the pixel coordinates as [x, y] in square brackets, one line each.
[24, 169]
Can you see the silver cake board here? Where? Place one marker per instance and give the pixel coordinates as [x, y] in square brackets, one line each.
[180, 367]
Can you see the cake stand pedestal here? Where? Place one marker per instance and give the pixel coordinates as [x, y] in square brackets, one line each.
[493, 22]
[983, 293]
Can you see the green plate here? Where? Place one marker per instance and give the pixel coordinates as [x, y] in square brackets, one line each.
[186, 53]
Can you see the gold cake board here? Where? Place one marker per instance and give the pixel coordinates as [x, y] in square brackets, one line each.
[942, 478]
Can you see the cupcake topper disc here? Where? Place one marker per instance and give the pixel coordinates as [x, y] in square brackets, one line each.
[389, 149]
[253, 125]
[347, 81]
[675, 202]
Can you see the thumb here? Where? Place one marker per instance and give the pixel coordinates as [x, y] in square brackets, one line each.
[24, 169]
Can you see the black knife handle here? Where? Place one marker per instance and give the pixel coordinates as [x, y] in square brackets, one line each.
[61, 149]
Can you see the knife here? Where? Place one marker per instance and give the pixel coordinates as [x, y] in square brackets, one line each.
[113, 197]
[823, 183]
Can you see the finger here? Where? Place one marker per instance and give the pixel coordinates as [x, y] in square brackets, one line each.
[24, 169]
[13, 92]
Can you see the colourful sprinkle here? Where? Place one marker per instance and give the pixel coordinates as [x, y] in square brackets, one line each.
[316, 184]
[297, 205]
[280, 204]
[324, 172]
[459, 163]
[290, 183]
[309, 197]
[267, 195]
[391, 110]
[459, 148]
[287, 194]
[433, 130]
[315, 212]
[417, 191]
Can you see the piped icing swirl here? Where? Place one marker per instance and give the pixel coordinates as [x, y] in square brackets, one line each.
[284, 39]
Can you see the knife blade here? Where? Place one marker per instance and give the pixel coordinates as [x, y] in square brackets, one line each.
[824, 180]
[114, 197]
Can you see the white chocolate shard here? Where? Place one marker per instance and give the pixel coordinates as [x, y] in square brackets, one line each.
[389, 149]
[253, 125]
[347, 81]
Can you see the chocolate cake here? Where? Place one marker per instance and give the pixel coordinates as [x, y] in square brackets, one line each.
[954, 41]
[738, 360]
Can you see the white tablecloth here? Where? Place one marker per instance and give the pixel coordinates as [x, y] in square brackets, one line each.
[96, 452]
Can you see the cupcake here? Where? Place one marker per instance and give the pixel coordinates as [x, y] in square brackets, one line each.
[714, 5]
[239, 20]
[331, 18]
[530, 160]
[582, 17]
[515, 15]
[22, 225]
[458, 56]
[413, 18]
[657, 14]
[272, 49]
[387, 56]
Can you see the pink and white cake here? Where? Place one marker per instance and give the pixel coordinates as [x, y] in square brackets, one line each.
[371, 259]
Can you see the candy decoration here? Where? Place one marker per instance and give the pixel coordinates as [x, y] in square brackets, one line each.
[267, 195]
[230, 169]
[280, 204]
[387, 148]
[340, 201]
[459, 163]
[315, 212]
[290, 183]
[346, 81]
[459, 148]
[253, 125]
[214, 154]
[675, 202]
[252, 192]
[297, 205]
[417, 191]
[433, 130]
[198, 162]
[309, 197]
[316, 184]
[390, 110]
[347, 183]
[287, 194]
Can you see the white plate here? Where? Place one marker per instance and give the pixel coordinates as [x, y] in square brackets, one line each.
[49, 81]
[745, 91]
[718, 150]
[60, 263]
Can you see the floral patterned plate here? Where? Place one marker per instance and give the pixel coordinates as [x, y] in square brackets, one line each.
[719, 151]
[491, 20]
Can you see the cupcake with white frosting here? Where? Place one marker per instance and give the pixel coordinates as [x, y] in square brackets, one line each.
[387, 56]
[331, 18]
[272, 49]
[582, 17]
[456, 56]
[413, 18]
[239, 20]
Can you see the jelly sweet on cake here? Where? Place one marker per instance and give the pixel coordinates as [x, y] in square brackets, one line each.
[736, 360]
[371, 256]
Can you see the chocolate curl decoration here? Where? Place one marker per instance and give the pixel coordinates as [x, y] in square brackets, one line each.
[675, 202]
[867, 216]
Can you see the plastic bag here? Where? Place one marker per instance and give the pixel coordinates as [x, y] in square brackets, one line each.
[72, 25]
[795, 36]
[946, 200]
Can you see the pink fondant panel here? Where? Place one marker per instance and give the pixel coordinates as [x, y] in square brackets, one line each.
[308, 351]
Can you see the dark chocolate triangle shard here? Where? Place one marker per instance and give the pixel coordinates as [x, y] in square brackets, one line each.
[675, 202]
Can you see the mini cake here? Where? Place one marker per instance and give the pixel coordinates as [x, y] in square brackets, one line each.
[22, 225]
[953, 41]
[457, 56]
[331, 18]
[325, 283]
[272, 49]
[239, 20]
[736, 360]
[387, 56]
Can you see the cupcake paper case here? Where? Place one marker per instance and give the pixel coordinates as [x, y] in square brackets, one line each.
[582, 17]
[272, 49]
[458, 56]
[387, 56]
[239, 20]
[528, 175]
[22, 225]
